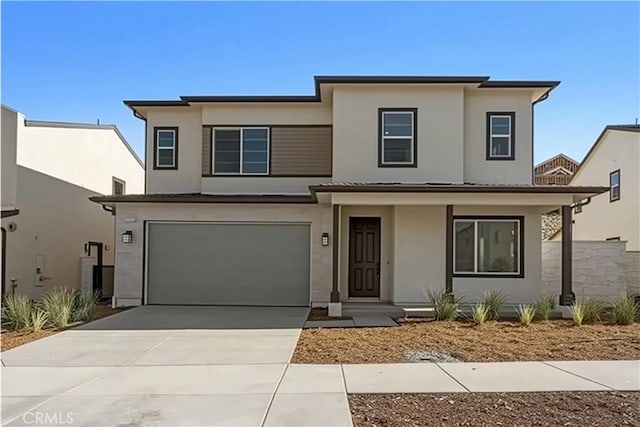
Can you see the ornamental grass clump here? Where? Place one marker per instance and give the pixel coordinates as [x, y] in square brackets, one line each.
[86, 306]
[493, 301]
[444, 304]
[526, 313]
[479, 313]
[577, 313]
[594, 308]
[624, 310]
[544, 306]
[39, 319]
[59, 306]
[16, 312]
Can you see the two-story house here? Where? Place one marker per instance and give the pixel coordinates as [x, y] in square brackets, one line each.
[372, 189]
[613, 160]
[52, 235]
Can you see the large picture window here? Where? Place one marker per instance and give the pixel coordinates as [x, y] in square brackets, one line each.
[488, 246]
[501, 136]
[397, 137]
[242, 151]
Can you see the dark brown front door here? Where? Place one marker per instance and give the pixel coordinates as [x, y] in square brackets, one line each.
[364, 257]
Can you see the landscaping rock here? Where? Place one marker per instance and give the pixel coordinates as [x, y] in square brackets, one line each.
[429, 356]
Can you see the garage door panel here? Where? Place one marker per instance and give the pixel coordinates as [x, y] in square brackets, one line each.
[228, 264]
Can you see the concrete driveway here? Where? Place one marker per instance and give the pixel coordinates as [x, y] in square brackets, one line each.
[168, 365]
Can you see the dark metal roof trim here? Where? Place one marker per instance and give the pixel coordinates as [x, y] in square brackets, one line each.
[454, 188]
[204, 198]
[520, 83]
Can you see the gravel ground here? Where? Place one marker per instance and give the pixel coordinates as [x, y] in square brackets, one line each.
[606, 409]
[11, 339]
[492, 342]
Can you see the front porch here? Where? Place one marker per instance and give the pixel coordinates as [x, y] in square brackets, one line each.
[391, 247]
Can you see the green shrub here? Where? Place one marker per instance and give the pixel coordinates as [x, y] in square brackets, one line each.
[39, 319]
[493, 301]
[479, 312]
[624, 310]
[593, 309]
[544, 306]
[59, 306]
[444, 304]
[86, 305]
[16, 313]
[577, 313]
[526, 313]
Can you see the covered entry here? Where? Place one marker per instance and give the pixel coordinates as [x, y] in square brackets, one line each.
[263, 264]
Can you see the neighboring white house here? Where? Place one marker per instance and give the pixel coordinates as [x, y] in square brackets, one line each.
[49, 171]
[373, 189]
[614, 161]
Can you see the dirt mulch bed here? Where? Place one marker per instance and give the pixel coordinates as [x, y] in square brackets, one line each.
[323, 314]
[12, 339]
[493, 342]
[495, 409]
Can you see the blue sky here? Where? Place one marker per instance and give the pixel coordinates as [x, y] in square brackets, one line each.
[77, 61]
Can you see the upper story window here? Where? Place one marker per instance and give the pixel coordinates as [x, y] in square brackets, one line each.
[165, 148]
[614, 186]
[117, 186]
[241, 151]
[501, 130]
[397, 137]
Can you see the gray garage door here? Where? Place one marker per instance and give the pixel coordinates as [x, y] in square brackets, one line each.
[228, 264]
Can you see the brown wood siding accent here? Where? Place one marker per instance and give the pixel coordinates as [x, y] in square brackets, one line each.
[206, 150]
[301, 151]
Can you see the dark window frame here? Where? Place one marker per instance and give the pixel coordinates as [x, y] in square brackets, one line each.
[381, 163]
[115, 180]
[521, 257]
[157, 129]
[612, 198]
[578, 209]
[212, 147]
[512, 135]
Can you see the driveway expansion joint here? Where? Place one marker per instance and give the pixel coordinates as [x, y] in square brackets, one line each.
[580, 376]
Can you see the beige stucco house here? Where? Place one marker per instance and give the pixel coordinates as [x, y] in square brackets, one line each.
[52, 233]
[614, 161]
[374, 189]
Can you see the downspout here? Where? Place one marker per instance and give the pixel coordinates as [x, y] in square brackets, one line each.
[110, 209]
[542, 98]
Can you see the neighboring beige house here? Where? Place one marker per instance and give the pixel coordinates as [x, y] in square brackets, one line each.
[49, 171]
[374, 189]
[614, 161]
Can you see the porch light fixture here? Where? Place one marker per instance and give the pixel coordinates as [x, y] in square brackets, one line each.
[325, 239]
[127, 237]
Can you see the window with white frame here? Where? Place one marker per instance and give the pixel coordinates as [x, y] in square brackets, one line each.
[488, 246]
[614, 186]
[241, 151]
[117, 186]
[166, 148]
[500, 136]
[397, 137]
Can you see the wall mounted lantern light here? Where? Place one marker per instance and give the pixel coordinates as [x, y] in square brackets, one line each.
[127, 237]
[325, 239]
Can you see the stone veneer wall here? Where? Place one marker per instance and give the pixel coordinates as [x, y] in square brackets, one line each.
[633, 273]
[599, 269]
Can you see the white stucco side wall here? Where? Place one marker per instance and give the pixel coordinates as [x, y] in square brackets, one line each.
[9, 125]
[129, 271]
[601, 218]
[88, 157]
